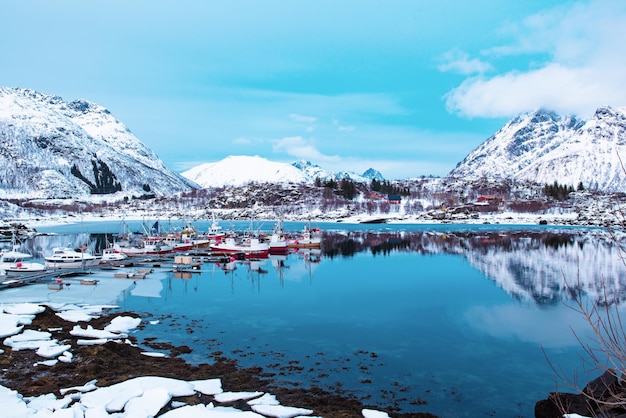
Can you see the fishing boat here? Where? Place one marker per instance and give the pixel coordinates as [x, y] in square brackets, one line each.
[278, 244]
[64, 257]
[247, 245]
[214, 234]
[152, 245]
[309, 238]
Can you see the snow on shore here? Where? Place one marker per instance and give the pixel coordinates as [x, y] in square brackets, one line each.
[139, 397]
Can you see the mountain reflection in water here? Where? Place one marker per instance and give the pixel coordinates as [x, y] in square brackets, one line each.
[543, 267]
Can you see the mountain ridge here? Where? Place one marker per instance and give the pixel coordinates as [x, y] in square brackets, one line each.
[55, 149]
[543, 147]
[51, 148]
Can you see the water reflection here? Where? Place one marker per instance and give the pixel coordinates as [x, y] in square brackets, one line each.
[532, 266]
[542, 267]
[395, 316]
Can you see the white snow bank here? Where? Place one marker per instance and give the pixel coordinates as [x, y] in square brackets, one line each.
[154, 354]
[370, 413]
[75, 316]
[208, 411]
[114, 397]
[91, 332]
[208, 387]
[87, 387]
[225, 397]
[53, 350]
[29, 339]
[267, 399]
[280, 411]
[13, 406]
[11, 324]
[122, 324]
[24, 309]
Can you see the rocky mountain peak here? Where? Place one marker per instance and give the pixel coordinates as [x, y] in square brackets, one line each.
[544, 147]
[56, 149]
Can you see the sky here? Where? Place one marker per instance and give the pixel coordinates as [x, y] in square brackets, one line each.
[407, 87]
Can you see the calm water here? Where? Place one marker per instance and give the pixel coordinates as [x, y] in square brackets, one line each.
[441, 319]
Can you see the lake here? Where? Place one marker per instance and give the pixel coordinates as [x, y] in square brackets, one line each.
[455, 320]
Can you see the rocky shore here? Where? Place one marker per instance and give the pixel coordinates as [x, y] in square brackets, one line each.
[115, 362]
[602, 397]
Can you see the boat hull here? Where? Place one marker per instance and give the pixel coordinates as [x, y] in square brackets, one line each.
[63, 264]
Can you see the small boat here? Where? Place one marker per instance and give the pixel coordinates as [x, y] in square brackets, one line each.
[310, 238]
[148, 245]
[278, 244]
[112, 255]
[63, 257]
[16, 262]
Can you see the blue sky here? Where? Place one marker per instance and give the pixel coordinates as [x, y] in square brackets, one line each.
[408, 87]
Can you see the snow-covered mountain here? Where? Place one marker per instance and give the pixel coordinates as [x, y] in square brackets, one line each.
[239, 170]
[56, 149]
[544, 147]
[313, 171]
[242, 169]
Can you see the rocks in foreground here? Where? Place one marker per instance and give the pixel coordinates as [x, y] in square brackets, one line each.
[112, 365]
[604, 396]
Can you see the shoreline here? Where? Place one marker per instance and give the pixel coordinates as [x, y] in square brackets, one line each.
[505, 219]
[114, 362]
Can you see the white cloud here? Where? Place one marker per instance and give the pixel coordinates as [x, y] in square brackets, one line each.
[342, 128]
[242, 140]
[575, 63]
[300, 148]
[303, 118]
[460, 62]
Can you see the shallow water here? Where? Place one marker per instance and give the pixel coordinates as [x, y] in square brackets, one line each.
[456, 321]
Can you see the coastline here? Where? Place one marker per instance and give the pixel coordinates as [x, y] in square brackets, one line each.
[114, 362]
[504, 218]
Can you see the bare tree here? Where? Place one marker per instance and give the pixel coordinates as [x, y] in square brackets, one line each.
[603, 352]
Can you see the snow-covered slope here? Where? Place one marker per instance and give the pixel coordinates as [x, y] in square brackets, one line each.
[239, 170]
[544, 147]
[56, 149]
[313, 171]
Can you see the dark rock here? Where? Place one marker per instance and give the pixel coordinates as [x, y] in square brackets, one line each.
[603, 396]
[559, 403]
[603, 386]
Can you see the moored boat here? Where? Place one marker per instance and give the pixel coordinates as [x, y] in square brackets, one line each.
[112, 255]
[63, 257]
[309, 238]
[16, 263]
[278, 244]
[246, 245]
[148, 245]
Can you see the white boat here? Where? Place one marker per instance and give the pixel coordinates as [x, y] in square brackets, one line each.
[149, 245]
[15, 262]
[112, 255]
[249, 246]
[63, 257]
